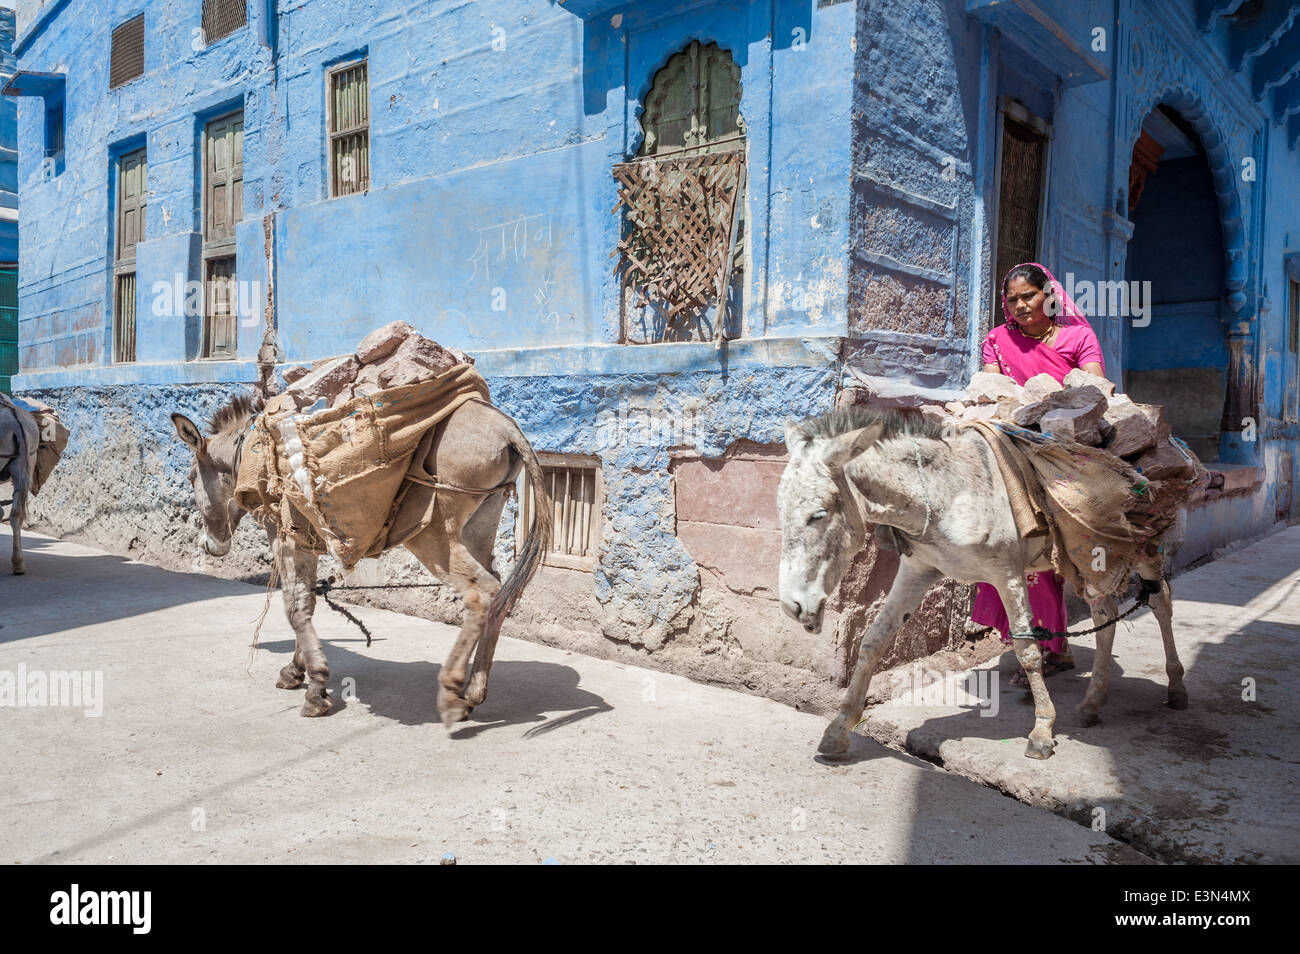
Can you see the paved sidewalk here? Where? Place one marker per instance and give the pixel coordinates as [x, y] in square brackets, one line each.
[195, 758]
[1213, 783]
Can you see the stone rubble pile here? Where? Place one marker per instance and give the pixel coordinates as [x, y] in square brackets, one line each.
[1085, 410]
[389, 357]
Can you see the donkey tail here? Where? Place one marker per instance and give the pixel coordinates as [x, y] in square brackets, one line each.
[537, 541]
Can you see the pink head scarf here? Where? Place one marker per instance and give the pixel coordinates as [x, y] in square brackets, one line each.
[1059, 306]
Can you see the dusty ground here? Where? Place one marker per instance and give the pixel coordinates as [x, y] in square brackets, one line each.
[1215, 782]
[197, 757]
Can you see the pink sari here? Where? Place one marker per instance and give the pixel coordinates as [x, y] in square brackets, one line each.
[1020, 358]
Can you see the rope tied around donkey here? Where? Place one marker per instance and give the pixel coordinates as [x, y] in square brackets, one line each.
[1147, 589]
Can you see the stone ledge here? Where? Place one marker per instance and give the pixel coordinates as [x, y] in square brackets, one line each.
[1233, 479]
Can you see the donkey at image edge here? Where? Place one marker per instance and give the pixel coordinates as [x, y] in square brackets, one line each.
[19, 437]
[935, 494]
[479, 446]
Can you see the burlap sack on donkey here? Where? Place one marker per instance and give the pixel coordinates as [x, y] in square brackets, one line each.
[52, 436]
[1104, 517]
[336, 481]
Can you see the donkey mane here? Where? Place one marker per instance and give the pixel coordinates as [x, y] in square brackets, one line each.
[238, 409]
[845, 419]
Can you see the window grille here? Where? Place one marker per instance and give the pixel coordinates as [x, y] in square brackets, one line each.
[124, 318]
[126, 52]
[682, 199]
[222, 17]
[349, 129]
[574, 485]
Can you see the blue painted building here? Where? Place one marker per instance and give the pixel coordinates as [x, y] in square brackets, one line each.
[209, 181]
[8, 209]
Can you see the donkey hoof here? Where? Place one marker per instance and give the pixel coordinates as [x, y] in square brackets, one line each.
[1039, 750]
[1177, 698]
[290, 678]
[316, 705]
[1086, 716]
[457, 711]
[835, 741]
[19, 569]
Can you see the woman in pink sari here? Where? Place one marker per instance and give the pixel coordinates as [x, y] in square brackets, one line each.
[1045, 333]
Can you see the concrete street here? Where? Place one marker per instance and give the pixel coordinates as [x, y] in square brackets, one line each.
[197, 757]
[1213, 783]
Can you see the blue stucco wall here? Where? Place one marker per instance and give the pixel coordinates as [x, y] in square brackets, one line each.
[8, 144]
[871, 210]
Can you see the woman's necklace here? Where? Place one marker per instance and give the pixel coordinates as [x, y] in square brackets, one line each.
[1043, 337]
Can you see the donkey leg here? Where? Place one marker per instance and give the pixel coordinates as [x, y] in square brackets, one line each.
[293, 674]
[1162, 607]
[478, 586]
[17, 515]
[1015, 598]
[298, 583]
[479, 535]
[453, 563]
[1088, 711]
[910, 586]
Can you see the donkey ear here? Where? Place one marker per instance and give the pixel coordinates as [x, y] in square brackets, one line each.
[794, 439]
[844, 448]
[190, 433]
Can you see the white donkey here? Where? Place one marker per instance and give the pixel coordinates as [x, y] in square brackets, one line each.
[936, 495]
[19, 440]
[479, 446]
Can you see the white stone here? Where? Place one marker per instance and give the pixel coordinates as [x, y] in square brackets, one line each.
[986, 387]
[1079, 378]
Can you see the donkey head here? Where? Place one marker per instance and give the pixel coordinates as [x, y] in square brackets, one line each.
[212, 475]
[821, 526]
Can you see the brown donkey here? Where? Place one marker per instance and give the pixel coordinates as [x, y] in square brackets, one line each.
[479, 446]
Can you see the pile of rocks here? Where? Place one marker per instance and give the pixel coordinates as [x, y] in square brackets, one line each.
[1085, 410]
[388, 357]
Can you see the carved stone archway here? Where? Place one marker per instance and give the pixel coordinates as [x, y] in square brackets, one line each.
[1241, 399]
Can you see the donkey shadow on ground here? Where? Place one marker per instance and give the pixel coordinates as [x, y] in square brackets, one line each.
[519, 693]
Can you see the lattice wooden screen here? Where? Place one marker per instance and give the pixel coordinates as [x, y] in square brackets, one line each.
[679, 229]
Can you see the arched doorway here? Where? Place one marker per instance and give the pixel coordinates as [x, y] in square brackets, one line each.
[1176, 352]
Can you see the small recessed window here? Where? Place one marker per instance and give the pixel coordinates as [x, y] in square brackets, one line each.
[348, 89]
[222, 17]
[54, 128]
[126, 52]
[574, 484]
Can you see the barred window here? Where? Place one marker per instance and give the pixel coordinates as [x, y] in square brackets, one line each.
[349, 128]
[682, 204]
[222, 17]
[574, 484]
[126, 52]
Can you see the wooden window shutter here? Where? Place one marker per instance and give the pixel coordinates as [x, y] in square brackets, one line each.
[132, 196]
[126, 52]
